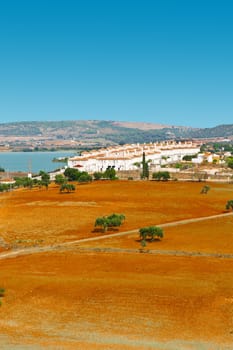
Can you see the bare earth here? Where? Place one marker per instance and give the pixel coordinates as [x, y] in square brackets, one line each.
[106, 294]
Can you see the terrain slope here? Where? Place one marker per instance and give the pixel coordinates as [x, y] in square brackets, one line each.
[108, 293]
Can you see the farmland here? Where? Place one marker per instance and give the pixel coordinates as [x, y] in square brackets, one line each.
[106, 294]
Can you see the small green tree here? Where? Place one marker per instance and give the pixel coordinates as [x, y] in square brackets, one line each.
[4, 187]
[2, 294]
[60, 179]
[84, 177]
[110, 173]
[45, 178]
[72, 174]
[161, 176]
[230, 162]
[24, 181]
[151, 232]
[97, 175]
[65, 187]
[205, 189]
[145, 167]
[113, 220]
[229, 204]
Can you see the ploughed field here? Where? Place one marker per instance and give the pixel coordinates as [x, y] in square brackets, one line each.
[109, 294]
[39, 217]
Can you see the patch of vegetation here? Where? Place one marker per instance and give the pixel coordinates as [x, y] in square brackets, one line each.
[84, 177]
[60, 160]
[106, 222]
[150, 232]
[229, 204]
[97, 175]
[161, 176]
[230, 162]
[110, 173]
[5, 187]
[188, 158]
[66, 187]
[72, 174]
[45, 178]
[109, 132]
[205, 189]
[2, 294]
[60, 179]
[145, 168]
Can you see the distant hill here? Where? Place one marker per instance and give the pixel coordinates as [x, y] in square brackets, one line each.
[108, 132]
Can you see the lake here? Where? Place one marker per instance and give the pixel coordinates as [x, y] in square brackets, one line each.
[32, 161]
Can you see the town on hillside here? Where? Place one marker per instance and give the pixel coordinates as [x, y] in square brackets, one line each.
[182, 160]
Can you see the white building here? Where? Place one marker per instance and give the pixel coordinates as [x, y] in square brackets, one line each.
[129, 157]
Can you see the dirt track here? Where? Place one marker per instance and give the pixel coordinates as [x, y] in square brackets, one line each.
[89, 292]
[34, 250]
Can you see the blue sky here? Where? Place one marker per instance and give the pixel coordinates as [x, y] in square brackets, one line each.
[161, 61]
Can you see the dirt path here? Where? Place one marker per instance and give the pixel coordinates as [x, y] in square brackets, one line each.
[34, 250]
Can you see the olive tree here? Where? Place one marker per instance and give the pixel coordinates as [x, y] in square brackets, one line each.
[161, 176]
[113, 220]
[84, 177]
[110, 173]
[60, 179]
[45, 178]
[229, 205]
[151, 232]
[205, 189]
[65, 187]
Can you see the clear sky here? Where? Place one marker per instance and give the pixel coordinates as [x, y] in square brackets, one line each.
[161, 61]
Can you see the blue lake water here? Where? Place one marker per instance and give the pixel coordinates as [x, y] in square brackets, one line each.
[32, 161]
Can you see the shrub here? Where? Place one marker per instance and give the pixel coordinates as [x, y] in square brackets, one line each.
[151, 232]
[229, 204]
[67, 187]
[97, 175]
[113, 220]
[110, 173]
[205, 189]
[84, 177]
[161, 175]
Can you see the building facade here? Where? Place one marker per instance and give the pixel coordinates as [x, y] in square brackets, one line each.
[129, 157]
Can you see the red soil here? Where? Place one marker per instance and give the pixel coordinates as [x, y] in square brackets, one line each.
[72, 299]
[40, 217]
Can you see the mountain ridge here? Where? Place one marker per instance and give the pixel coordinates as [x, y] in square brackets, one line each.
[102, 132]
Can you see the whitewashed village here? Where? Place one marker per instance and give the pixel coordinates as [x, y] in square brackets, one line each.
[170, 155]
[127, 159]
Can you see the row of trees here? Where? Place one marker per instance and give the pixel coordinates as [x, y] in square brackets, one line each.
[70, 175]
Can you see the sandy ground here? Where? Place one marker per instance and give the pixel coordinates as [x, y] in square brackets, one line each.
[40, 217]
[83, 297]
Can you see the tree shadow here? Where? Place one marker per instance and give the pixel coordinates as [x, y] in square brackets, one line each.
[100, 230]
[97, 230]
[148, 240]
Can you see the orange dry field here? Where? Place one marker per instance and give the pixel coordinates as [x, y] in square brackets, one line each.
[108, 293]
